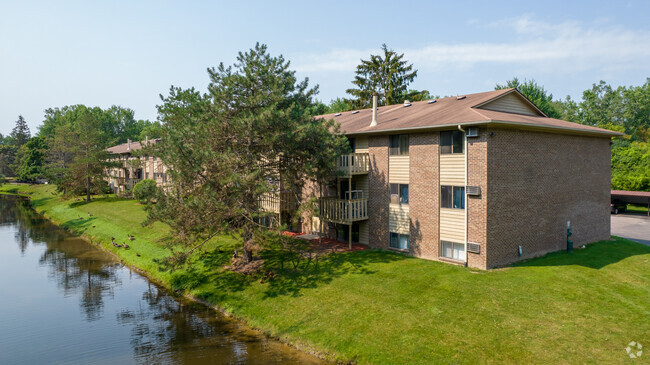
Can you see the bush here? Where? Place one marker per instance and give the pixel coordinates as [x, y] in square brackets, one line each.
[144, 191]
[3, 179]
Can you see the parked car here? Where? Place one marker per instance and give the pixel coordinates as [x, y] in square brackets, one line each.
[618, 207]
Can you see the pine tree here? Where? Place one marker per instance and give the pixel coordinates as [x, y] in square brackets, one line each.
[389, 76]
[230, 146]
[20, 134]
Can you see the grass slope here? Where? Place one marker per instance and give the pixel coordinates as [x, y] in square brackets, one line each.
[382, 307]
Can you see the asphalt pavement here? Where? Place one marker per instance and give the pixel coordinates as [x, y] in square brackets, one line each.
[635, 227]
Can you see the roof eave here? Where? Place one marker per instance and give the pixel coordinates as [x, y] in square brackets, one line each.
[491, 122]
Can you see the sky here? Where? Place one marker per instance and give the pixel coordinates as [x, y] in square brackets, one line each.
[128, 53]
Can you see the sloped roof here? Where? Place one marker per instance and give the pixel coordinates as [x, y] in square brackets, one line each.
[124, 147]
[450, 112]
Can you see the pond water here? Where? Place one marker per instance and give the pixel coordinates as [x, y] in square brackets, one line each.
[64, 301]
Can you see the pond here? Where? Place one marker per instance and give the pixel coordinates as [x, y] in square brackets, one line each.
[66, 301]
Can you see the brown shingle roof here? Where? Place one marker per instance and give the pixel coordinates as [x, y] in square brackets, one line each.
[124, 147]
[449, 112]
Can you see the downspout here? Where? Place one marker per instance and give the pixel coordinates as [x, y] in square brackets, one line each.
[465, 192]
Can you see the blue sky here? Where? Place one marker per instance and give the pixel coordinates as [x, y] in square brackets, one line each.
[128, 52]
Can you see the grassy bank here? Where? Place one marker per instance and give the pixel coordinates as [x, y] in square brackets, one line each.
[381, 307]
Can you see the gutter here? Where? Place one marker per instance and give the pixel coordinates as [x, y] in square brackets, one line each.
[490, 122]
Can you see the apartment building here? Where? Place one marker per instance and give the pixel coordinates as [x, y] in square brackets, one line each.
[132, 169]
[482, 180]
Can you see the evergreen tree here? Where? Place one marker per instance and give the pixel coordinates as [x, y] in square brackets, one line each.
[30, 160]
[231, 146]
[389, 75]
[20, 134]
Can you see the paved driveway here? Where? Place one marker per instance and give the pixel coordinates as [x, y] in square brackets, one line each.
[632, 226]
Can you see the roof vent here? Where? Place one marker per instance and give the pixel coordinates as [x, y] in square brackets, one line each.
[337, 114]
[461, 97]
[432, 101]
[355, 112]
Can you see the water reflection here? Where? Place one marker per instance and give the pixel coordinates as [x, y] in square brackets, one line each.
[124, 318]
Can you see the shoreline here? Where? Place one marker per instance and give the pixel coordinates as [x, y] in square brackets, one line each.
[186, 295]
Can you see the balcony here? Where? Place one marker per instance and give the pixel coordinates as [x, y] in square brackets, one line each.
[353, 164]
[276, 203]
[343, 211]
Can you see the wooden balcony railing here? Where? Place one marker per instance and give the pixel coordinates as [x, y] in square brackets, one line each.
[274, 202]
[343, 211]
[353, 164]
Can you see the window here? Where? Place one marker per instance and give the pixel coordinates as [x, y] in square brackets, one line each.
[452, 197]
[399, 145]
[399, 193]
[146, 174]
[452, 250]
[451, 142]
[399, 241]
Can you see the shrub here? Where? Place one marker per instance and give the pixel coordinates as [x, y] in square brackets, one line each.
[144, 191]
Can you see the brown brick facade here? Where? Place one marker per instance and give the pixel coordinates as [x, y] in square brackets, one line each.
[424, 194]
[531, 184]
[378, 192]
[477, 173]
[539, 181]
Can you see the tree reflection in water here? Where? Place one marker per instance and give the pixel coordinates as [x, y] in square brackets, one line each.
[161, 329]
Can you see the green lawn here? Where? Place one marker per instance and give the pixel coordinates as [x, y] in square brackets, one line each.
[382, 307]
[637, 208]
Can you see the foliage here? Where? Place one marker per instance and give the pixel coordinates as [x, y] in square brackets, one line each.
[78, 155]
[339, 105]
[535, 93]
[30, 160]
[388, 75]
[7, 158]
[3, 179]
[605, 106]
[116, 124]
[145, 191]
[20, 134]
[232, 145]
[631, 166]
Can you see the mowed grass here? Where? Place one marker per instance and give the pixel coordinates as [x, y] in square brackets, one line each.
[382, 307]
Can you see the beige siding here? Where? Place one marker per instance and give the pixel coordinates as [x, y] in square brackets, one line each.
[361, 145]
[452, 169]
[315, 224]
[362, 184]
[511, 103]
[398, 169]
[363, 232]
[452, 225]
[398, 218]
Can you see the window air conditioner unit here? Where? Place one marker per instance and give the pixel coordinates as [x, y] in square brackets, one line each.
[473, 190]
[473, 247]
[472, 132]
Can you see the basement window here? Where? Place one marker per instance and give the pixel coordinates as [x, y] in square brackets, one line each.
[451, 142]
[399, 241]
[399, 145]
[452, 197]
[399, 193]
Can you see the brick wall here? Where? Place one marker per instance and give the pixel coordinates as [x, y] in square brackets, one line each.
[539, 181]
[424, 194]
[477, 175]
[378, 192]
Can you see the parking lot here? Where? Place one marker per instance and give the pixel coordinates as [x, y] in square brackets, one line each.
[632, 226]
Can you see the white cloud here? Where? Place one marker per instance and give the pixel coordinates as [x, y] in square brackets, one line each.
[560, 48]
